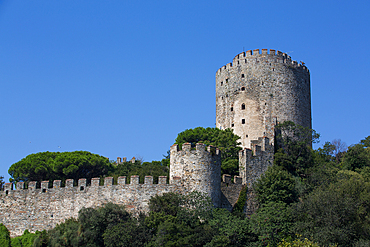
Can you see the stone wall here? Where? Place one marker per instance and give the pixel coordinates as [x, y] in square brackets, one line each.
[256, 91]
[199, 169]
[43, 208]
[230, 191]
[255, 161]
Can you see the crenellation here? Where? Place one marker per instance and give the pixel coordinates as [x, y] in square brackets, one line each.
[162, 179]
[95, 182]
[20, 186]
[81, 184]
[44, 185]
[69, 183]
[108, 181]
[32, 185]
[134, 179]
[121, 180]
[148, 180]
[57, 184]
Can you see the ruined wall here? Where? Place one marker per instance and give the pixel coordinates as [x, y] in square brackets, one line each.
[39, 209]
[199, 169]
[256, 91]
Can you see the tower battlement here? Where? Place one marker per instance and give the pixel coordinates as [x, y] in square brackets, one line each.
[255, 161]
[265, 56]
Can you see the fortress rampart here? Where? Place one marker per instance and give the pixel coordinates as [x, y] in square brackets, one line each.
[43, 208]
[257, 90]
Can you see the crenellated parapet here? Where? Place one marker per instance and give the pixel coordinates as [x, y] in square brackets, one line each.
[255, 161]
[265, 56]
[199, 169]
[38, 206]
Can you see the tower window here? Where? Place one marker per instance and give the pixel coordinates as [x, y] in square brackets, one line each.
[242, 75]
[243, 121]
[232, 108]
[243, 88]
[243, 106]
[227, 80]
[232, 125]
[246, 136]
[222, 83]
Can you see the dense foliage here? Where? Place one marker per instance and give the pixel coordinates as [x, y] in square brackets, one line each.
[56, 165]
[225, 140]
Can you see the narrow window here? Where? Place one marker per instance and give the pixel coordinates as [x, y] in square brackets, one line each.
[246, 136]
[227, 80]
[243, 88]
[238, 62]
[82, 188]
[232, 108]
[242, 75]
[222, 83]
[6, 192]
[243, 121]
[243, 106]
[232, 125]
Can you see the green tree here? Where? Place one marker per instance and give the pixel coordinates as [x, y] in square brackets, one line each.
[225, 140]
[272, 223]
[276, 185]
[26, 240]
[293, 144]
[94, 222]
[4, 236]
[357, 156]
[337, 213]
[229, 230]
[55, 165]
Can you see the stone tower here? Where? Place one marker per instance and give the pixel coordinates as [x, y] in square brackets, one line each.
[198, 170]
[256, 91]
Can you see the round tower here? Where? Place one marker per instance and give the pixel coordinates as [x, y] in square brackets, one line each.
[199, 169]
[256, 91]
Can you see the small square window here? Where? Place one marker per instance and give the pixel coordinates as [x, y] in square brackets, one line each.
[243, 121]
[232, 125]
[242, 75]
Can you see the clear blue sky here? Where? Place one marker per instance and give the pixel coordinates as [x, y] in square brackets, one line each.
[122, 78]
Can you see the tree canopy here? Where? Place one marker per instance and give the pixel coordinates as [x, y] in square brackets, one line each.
[225, 140]
[56, 165]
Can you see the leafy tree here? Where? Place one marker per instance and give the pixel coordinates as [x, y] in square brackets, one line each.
[225, 140]
[132, 232]
[229, 230]
[26, 240]
[298, 243]
[293, 144]
[94, 222]
[56, 165]
[65, 234]
[4, 236]
[272, 222]
[338, 213]
[357, 156]
[276, 185]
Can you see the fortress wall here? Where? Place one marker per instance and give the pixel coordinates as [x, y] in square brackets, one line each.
[272, 87]
[39, 209]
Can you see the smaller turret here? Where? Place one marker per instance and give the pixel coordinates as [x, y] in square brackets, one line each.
[199, 169]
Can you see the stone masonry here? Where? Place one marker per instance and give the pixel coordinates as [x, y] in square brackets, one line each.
[256, 91]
